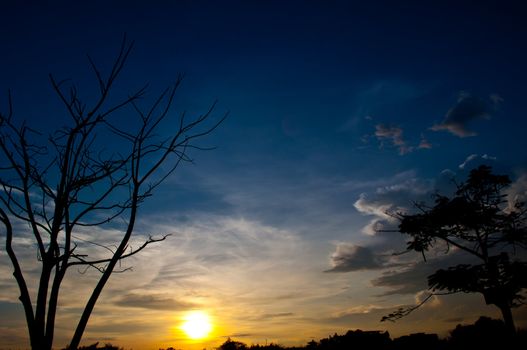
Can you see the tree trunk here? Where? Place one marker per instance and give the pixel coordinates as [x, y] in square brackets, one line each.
[507, 318]
[81, 326]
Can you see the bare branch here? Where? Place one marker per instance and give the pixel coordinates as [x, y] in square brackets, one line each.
[93, 263]
[405, 311]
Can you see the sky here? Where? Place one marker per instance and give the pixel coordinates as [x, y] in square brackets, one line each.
[339, 113]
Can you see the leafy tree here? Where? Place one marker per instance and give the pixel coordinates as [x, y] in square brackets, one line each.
[232, 345]
[95, 172]
[479, 221]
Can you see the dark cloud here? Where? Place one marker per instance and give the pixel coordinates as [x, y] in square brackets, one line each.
[350, 257]
[277, 315]
[467, 109]
[237, 335]
[154, 302]
[454, 320]
[270, 316]
[360, 315]
[408, 281]
[413, 278]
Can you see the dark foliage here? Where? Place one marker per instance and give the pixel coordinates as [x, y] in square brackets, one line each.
[485, 333]
[95, 346]
[480, 221]
[232, 345]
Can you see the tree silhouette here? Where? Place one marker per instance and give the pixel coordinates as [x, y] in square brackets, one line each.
[477, 221]
[86, 175]
[232, 345]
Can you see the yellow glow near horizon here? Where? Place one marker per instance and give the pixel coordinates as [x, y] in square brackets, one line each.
[197, 325]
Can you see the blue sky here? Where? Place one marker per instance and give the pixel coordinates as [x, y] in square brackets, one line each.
[338, 112]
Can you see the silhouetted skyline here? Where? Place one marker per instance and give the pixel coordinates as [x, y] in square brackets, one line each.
[339, 112]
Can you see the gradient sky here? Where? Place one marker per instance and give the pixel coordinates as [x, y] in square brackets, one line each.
[339, 112]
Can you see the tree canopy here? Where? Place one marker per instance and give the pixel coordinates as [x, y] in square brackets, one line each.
[481, 221]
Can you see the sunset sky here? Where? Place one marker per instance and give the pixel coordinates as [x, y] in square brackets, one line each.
[339, 111]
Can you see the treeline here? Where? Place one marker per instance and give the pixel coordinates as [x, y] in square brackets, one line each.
[485, 333]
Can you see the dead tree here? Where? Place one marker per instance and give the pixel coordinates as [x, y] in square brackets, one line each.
[53, 187]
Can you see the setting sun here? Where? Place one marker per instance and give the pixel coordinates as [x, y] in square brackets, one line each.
[197, 325]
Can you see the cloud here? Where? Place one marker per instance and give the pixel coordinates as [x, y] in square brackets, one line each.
[377, 209]
[411, 185]
[350, 257]
[394, 195]
[424, 143]
[269, 316]
[407, 281]
[517, 192]
[467, 110]
[487, 157]
[368, 207]
[496, 99]
[473, 157]
[467, 160]
[153, 302]
[413, 278]
[394, 135]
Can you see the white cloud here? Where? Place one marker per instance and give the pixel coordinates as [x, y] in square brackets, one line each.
[396, 194]
[516, 192]
[377, 209]
[487, 157]
[367, 207]
[467, 160]
[471, 158]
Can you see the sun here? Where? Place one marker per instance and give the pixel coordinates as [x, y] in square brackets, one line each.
[196, 325]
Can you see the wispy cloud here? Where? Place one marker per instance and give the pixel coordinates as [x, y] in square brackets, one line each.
[153, 302]
[412, 278]
[424, 143]
[472, 157]
[394, 136]
[407, 281]
[467, 110]
[395, 194]
[378, 209]
[374, 98]
[467, 160]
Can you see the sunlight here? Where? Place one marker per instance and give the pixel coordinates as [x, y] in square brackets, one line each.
[196, 325]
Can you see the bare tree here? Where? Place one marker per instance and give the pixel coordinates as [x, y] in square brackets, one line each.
[72, 180]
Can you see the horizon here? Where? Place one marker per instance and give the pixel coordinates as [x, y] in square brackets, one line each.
[339, 113]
